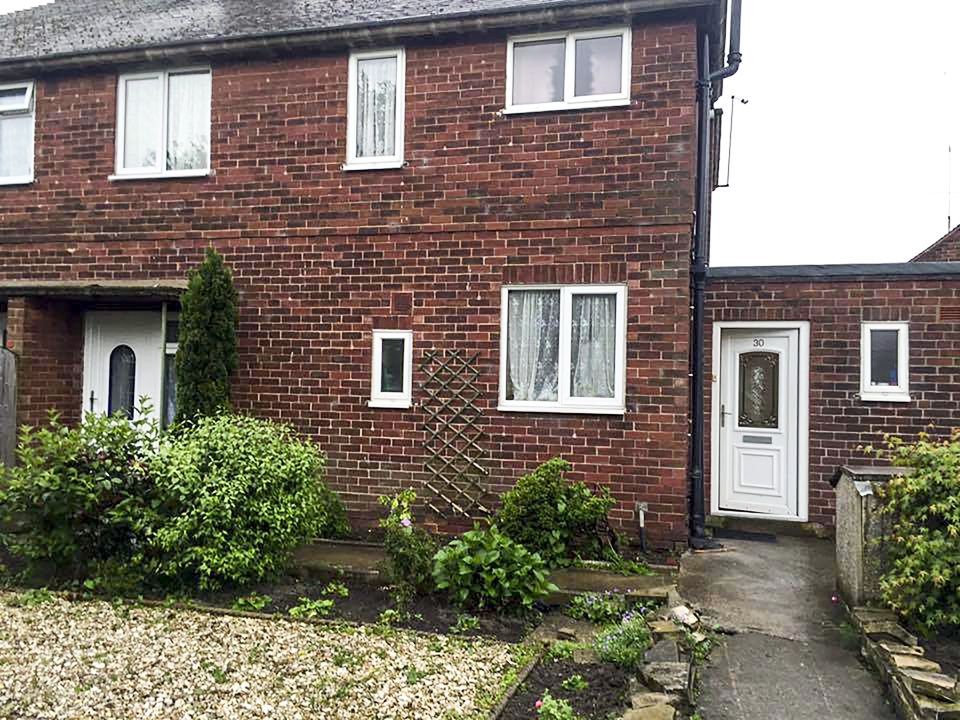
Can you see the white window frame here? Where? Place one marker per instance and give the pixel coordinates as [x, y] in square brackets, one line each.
[28, 107]
[885, 393]
[565, 403]
[382, 399]
[570, 101]
[159, 170]
[380, 162]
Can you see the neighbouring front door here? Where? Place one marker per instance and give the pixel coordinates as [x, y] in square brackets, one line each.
[123, 362]
[759, 403]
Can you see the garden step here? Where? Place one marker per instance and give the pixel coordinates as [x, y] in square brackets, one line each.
[931, 684]
[663, 651]
[638, 587]
[653, 712]
[668, 677]
[640, 700]
[914, 662]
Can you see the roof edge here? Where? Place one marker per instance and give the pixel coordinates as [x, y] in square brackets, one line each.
[831, 272]
[949, 236]
[347, 35]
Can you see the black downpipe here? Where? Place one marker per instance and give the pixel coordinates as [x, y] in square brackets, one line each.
[701, 260]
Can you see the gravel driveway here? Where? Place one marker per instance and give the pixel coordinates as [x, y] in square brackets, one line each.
[69, 660]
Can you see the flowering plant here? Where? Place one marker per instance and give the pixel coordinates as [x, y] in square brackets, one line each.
[551, 708]
[598, 607]
[625, 644]
[409, 548]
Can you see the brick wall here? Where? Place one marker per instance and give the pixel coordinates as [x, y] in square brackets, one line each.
[320, 255]
[835, 308]
[946, 249]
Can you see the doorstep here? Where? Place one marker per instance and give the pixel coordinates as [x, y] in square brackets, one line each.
[769, 527]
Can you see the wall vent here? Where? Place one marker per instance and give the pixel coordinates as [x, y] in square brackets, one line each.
[950, 313]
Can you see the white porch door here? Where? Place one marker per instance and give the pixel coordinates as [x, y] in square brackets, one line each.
[122, 362]
[759, 424]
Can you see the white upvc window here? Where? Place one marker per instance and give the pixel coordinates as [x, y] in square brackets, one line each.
[375, 109]
[563, 348]
[557, 71]
[392, 376]
[885, 361]
[16, 133]
[163, 124]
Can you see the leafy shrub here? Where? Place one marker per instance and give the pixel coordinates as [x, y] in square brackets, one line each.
[597, 607]
[240, 495]
[486, 569]
[80, 492]
[575, 683]
[624, 644]
[922, 581]
[554, 518]
[254, 601]
[207, 348]
[335, 523]
[551, 708]
[308, 609]
[409, 549]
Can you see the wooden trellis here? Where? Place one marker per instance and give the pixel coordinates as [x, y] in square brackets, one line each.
[454, 439]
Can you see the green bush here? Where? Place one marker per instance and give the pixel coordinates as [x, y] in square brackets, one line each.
[624, 644]
[241, 494]
[335, 523]
[486, 569]
[207, 346]
[922, 581]
[80, 493]
[554, 518]
[598, 607]
[409, 549]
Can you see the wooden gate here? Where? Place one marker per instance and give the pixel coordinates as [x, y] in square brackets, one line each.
[8, 407]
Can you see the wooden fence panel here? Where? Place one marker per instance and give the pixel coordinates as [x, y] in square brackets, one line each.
[8, 407]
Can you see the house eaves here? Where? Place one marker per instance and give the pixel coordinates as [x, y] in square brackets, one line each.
[829, 273]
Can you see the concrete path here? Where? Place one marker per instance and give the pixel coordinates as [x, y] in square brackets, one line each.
[792, 657]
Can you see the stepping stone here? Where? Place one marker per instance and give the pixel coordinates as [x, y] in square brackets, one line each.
[893, 648]
[867, 614]
[653, 712]
[930, 709]
[566, 633]
[668, 677]
[877, 629]
[641, 700]
[664, 628]
[914, 662]
[684, 615]
[935, 685]
[663, 651]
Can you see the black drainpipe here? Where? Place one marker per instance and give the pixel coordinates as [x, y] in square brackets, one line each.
[701, 251]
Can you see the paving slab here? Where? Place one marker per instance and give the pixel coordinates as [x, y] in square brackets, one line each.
[793, 657]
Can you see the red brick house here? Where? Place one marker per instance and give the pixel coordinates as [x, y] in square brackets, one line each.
[465, 241]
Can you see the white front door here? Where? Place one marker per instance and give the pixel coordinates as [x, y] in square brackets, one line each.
[759, 422]
[122, 362]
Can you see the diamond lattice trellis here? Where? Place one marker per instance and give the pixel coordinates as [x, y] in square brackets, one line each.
[454, 439]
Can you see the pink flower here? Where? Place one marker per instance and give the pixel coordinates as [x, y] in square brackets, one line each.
[538, 704]
[834, 599]
[406, 522]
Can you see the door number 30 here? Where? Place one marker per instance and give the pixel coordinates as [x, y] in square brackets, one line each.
[758, 342]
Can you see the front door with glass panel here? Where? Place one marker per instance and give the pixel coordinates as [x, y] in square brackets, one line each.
[759, 438]
[123, 362]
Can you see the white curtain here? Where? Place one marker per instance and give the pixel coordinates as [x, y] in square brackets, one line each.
[599, 63]
[376, 107]
[141, 123]
[533, 344]
[538, 72]
[188, 121]
[16, 148]
[593, 346]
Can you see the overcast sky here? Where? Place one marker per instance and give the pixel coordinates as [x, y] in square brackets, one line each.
[840, 154]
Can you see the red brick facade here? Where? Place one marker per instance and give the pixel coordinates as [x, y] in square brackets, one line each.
[946, 249]
[835, 308]
[322, 256]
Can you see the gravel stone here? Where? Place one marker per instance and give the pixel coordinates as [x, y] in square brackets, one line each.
[65, 660]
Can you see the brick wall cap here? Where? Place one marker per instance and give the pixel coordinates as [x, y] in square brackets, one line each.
[158, 289]
[828, 273]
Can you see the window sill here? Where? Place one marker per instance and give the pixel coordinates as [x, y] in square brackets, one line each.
[23, 180]
[563, 409]
[396, 404]
[384, 165]
[160, 176]
[885, 397]
[553, 107]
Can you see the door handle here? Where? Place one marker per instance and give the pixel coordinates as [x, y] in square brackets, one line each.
[91, 401]
[723, 415]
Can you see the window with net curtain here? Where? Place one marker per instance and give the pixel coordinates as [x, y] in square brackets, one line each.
[375, 134]
[166, 122]
[16, 133]
[564, 347]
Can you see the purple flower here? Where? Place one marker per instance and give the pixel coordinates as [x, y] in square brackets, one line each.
[406, 522]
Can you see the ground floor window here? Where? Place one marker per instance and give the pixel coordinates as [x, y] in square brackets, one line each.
[392, 376]
[885, 361]
[563, 348]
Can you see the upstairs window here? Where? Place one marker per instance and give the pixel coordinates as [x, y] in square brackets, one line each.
[163, 124]
[885, 362]
[16, 133]
[375, 107]
[563, 349]
[568, 70]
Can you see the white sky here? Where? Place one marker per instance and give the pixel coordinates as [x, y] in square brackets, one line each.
[840, 154]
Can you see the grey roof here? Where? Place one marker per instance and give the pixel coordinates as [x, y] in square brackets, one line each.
[833, 272]
[73, 27]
